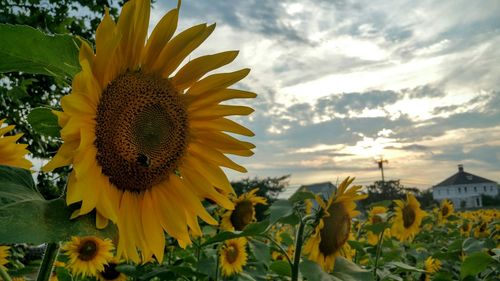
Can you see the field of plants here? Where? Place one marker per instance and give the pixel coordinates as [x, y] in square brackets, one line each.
[114, 142]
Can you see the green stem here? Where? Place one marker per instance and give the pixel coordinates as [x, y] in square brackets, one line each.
[379, 251]
[283, 251]
[298, 247]
[48, 261]
[3, 275]
[217, 266]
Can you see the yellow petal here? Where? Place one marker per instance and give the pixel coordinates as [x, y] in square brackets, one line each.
[152, 227]
[198, 67]
[217, 97]
[163, 31]
[218, 111]
[107, 40]
[213, 173]
[217, 82]
[221, 124]
[214, 156]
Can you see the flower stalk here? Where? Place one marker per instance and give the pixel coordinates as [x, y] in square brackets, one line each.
[3, 275]
[298, 247]
[379, 251]
[48, 261]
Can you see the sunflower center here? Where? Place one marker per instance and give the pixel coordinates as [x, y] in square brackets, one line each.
[141, 131]
[445, 210]
[408, 216]
[242, 214]
[87, 250]
[110, 272]
[376, 219]
[232, 254]
[335, 231]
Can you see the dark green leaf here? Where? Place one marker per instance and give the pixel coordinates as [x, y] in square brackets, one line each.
[29, 50]
[245, 277]
[474, 264]
[260, 251]
[348, 271]
[281, 268]
[405, 267]
[250, 230]
[44, 122]
[280, 209]
[378, 227]
[313, 272]
[26, 217]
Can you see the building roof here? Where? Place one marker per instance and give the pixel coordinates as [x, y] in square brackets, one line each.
[325, 188]
[462, 177]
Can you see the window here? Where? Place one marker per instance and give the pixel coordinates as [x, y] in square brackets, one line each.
[459, 190]
[491, 188]
[475, 189]
[484, 188]
[448, 191]
[477, 202]
[465, 189]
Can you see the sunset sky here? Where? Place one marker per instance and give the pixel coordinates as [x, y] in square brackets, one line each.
[341, 83]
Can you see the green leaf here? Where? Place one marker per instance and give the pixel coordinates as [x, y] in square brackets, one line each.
[281, 268]
[260, 250]
[474, 264]
[44, 122]
[405, 267]
[243, 276]
[253, 229]
[378, 227]
[29, 50]
[280, 209]
[348, 271]
[313, 272]
[300, 196]
[26, 217]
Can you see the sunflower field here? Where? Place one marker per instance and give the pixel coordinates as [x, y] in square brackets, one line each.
[137, 140]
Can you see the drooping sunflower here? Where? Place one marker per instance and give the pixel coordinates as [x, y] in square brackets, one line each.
[88, 255]
[465, 228]
[233, 256]
[147, 145]
[4, 254]
[12, 153]
[481, 229]
[431, 266]
[374, 217]
[445, 210]
[408, 217]
[110, 273]
[334, 226]
[243, 212]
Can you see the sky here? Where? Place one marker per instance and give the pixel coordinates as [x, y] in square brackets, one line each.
[343, 83]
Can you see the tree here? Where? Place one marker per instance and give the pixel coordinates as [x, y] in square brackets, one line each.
[269, 188]
[387, 190]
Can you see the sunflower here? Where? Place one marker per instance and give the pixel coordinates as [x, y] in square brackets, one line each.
[233, 256]
[244, 211]
[445, 210]
[465, 228]
[4, 254]
[431, 266]
[110, 273]
[481, 229]
[407, 219]
[12, 153]
[88, 255]
[334, 226]
[146, 145]
[374, 217]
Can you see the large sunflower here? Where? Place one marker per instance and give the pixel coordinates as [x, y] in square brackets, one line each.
[147, 145]
[334, 227]
[12, 153]
[4, 254]
[445, 210]
[243, 212]
[88, 255]
[233, 256]
[408, 217]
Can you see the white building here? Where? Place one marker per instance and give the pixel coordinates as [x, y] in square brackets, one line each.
[464, 189]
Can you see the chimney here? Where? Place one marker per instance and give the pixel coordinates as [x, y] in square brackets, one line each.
[460, 168]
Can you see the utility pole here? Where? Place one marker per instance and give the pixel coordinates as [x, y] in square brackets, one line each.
[380, 163]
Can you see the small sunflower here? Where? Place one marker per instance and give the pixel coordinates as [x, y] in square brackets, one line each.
[244, 211]
[12, 153]
[374, 217]
[146, 136]
[465, 228]
[4, 254]
[110, 273]
[88, 255]
[431, 266]
[481, 229]
[233, 256]
[334, 227]
[445, 210]
[407, 219]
